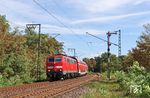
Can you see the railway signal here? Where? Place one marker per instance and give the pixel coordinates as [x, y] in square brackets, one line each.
[109, 44]
[108, 51]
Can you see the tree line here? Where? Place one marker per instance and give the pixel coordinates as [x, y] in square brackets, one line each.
[140, 53]
[19, 51]
[129, 70]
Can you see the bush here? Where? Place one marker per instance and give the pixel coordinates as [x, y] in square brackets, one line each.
[136, 76]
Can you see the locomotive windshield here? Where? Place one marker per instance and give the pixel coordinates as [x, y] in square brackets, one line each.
[51, 59]
[57, 59]
[54, 60]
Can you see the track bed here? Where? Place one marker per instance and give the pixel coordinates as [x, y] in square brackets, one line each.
[45, 89]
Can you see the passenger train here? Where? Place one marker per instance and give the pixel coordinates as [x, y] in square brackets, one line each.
[63, 67]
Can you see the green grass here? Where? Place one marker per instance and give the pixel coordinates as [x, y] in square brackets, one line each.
[105, 89]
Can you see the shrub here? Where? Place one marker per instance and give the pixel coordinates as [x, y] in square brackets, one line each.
[136, 76]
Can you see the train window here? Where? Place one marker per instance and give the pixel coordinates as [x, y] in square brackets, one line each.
[68, 61]
[74, 62]
[57, 59]
[51, 60]
[65, 59]
[71, 61]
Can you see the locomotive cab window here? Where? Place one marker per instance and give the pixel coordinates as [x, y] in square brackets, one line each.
[51, 60]
[57, 59]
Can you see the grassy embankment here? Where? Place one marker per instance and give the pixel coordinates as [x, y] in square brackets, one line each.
[105, 89]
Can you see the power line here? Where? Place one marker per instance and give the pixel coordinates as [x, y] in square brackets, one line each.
[53, 15]
[54, 1]
[101, 39]
[49, 13]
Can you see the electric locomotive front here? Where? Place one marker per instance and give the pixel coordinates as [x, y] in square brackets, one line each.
[54, 67]
[61, 66]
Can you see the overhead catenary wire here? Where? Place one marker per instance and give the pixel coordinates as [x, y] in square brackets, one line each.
[51, 14]
[58, 6]
[101, 39]
[23, 27]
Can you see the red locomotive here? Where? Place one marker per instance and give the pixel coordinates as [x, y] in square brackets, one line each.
[62, 66]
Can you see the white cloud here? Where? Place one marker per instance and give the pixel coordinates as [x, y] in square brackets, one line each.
[141, 1]
[143, 22]
[109, 18]
[17, 10]
[63, 30]
[22, 13]
[48, 28]
[95, 6]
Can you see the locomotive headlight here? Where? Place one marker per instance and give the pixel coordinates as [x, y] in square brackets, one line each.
[58, 66]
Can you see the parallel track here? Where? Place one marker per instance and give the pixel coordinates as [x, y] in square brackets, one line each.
[44, 89]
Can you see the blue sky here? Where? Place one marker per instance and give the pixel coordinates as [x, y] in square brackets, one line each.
[94, 16]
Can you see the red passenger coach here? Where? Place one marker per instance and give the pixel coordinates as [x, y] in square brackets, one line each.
[83, 68]
[62, 66]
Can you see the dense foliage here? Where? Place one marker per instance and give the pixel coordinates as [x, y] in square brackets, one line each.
[18, 54]
[141, 52]
[99, 63]
[136, 76]
[137, 73]
[132, 69]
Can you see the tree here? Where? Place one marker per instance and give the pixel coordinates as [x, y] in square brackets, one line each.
[98, 67]
[99, 63]
[4, 25]
[141, 52]
[127, 62]
[91, 63]
[18, 54]
[104, 61]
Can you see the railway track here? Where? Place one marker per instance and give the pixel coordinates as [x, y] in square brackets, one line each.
[44, 89]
